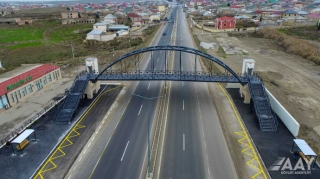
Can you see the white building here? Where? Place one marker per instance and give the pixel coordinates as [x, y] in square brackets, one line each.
[111, 19]
[101, 26]
[122, 32]
[154, 18]
[94, 35]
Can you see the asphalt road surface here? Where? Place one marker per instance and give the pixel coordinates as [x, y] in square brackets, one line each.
[194, 145]
[125, 152]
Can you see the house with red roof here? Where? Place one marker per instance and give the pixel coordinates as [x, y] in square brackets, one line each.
[225, 22]
[134, 17]
[17, 85]
[199, 2]
[235, 7]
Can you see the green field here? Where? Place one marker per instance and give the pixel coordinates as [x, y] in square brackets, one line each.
[50, 42]
[70, 32]
[21, 34]
[41, 42]
[41, 33]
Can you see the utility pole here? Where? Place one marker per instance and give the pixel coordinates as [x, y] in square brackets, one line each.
[72, 49]
[130, 39]
[148, 99]
[202, 24]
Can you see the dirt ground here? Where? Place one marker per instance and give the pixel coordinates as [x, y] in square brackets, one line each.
[294, 81]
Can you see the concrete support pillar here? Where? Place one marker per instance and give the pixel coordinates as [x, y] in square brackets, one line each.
[245, 93]
[92, 88]
[247, 69]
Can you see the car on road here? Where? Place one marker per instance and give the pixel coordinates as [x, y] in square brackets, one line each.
[164, 34]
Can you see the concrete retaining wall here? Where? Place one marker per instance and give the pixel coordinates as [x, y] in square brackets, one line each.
[284, 115]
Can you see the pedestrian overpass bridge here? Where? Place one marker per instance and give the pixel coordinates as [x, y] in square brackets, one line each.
[266, 117]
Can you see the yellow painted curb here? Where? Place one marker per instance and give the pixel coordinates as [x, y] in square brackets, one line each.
[245, 140]
[66, 142]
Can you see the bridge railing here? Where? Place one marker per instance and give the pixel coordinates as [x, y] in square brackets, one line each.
[265, 92]
[155, 72]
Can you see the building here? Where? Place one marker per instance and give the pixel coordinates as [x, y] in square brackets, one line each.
[9, 21]
[111, 19]
[101, 26]
[122, 32]
[289, 13]
[161, 8]
[134, 17]
[69, 15]
[154, 18]
[94, 35]
[78, 21]
[226, 22]
[119, 27]
[18, 84]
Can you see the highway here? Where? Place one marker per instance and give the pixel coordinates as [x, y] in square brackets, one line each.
[124, 155]
[194, 145]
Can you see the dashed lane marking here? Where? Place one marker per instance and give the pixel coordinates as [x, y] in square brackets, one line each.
[58, 152]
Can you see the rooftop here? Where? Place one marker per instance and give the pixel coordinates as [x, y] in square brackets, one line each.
[24, 68]
[101, 24]
[27, 73]
[95, 32]
[118, 27]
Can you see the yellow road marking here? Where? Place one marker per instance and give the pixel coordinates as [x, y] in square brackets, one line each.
[245, 140]
[67, 139]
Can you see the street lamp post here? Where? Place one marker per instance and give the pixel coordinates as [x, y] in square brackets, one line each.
[148, 125]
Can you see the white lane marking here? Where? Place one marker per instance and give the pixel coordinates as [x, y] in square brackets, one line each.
[149, 86]
[155, 69]
[184, 142]
[124, 150]
[183, 104]
[181, 83]
[158, 59]
[140, 109]
[182, 68]
[205, 144]
[160, 51]
[209, 170]
[89, 144]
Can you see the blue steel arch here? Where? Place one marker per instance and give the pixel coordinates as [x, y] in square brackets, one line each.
[173, 48]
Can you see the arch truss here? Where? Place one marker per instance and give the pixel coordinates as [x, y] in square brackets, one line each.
[231, 76]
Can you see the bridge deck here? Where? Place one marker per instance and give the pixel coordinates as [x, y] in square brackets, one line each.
[185, 76]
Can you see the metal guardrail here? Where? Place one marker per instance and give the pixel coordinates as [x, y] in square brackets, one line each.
[38, 115]
[30, 121]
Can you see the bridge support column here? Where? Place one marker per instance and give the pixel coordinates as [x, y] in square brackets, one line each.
[245, 93]
[92, 88]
